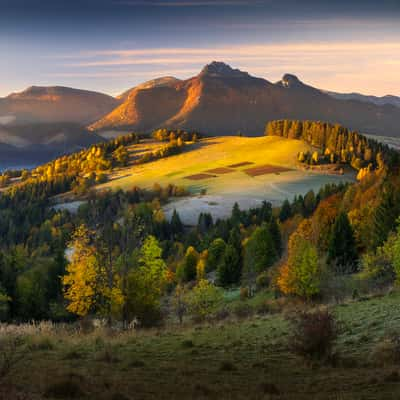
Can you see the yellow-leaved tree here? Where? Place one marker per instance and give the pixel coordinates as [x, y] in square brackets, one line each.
[91, 285]
[301, 274]
[81, 283]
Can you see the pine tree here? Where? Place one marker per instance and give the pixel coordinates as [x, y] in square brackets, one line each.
[285, 212]
[342, 253]
[229, 269]
[176, 224]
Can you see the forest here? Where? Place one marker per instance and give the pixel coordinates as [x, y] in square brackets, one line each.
[119, 257]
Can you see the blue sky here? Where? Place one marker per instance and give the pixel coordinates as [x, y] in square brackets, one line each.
[112, 45]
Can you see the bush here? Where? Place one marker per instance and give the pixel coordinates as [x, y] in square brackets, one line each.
[263, 280]
[243, 310]
[244, 293]
[313, 334]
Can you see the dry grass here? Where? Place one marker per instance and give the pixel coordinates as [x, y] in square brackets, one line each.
[231, 359]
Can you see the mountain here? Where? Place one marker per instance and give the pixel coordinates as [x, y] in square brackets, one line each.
[379, 101]
[221, 100]
[55, 104]
[44, 122]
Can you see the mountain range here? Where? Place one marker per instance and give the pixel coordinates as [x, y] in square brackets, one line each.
[219, 100]
[222, 101]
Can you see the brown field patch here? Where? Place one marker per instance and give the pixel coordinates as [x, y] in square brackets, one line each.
[265, 169]
[198, 177]
[241, 164]
[220, 170]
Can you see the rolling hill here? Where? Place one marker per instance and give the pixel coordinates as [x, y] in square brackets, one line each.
[225, 101]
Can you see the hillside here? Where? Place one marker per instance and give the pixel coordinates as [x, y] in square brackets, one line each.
[221, 171]
[224, 101]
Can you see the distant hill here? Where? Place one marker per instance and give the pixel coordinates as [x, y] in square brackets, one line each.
[43, 122]
[54, 104]
[222, 100]
[379, 101]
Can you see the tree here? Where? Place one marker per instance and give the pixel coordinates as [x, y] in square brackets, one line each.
[187, 270]
[259, 254]
[342, 253]
[179, 302]
[176, 224]
[81, 283]
[204, 299]
[146, 283]
[260, 249]
[229, 268]
[215, 253]
[285, 212]
[396, 253]
[384, 218]
[301, 275]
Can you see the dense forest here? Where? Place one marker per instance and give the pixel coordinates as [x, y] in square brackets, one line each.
[336, 144]
[121, 259]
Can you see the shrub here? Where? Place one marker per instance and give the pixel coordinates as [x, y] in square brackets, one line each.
[263, 280]
[313, 334]
[244, 293]
[243, 310]
[204, 300]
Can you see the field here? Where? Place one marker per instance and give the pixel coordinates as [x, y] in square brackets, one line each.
[224, 170]
[231, 359]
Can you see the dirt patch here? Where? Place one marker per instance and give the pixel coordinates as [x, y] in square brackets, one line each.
[265, 169]
[241, 164]
[220, 170]
[199, 177]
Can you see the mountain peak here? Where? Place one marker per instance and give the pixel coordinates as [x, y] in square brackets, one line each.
[217, 68]
[290, 81]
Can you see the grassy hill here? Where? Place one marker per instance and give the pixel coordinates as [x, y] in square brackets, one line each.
[226, 170]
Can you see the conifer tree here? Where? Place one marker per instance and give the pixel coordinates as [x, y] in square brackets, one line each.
[229, 269]
[342, 253]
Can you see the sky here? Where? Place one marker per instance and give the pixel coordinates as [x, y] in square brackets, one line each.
[113, 45]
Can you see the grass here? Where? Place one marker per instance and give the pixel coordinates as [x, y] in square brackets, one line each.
[217, 192]
[233, 359]
[210, 154]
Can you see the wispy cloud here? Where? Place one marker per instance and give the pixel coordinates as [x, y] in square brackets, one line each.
[345, 66]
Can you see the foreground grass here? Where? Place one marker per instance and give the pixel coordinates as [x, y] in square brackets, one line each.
[232, 359]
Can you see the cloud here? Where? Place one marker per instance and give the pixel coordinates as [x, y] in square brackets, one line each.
[342, 66]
